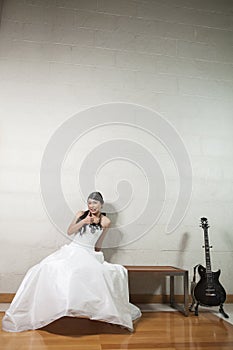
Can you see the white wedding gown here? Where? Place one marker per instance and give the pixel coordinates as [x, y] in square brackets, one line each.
[74, 281]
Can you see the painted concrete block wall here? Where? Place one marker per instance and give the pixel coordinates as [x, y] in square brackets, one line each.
[58, 58]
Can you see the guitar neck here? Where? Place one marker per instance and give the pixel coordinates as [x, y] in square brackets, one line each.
[209, 274]
[207, 251]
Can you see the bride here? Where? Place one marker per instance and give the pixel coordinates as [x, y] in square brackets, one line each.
[74, 281]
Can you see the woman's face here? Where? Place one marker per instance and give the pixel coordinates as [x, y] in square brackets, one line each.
[94, 206]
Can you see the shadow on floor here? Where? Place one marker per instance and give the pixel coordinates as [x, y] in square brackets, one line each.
[82, 326]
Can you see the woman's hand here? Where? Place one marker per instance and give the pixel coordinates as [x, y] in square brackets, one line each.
[76, 225]
[88, 219]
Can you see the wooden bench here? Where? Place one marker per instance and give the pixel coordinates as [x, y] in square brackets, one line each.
[172, 272]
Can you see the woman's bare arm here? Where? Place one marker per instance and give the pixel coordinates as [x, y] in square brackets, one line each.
[74, 226]
[105, 224]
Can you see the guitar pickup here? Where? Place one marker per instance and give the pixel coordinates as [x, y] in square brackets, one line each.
[210, 294]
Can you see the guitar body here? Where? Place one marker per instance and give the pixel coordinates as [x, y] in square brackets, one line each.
[209, 293]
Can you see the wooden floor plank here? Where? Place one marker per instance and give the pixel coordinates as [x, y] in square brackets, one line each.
[155, 330]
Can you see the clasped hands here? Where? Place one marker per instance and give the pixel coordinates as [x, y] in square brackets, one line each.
[89, 219]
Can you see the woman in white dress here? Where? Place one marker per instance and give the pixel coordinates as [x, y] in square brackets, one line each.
[74, 281]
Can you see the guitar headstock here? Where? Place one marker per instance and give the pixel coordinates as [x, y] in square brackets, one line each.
[204, 223]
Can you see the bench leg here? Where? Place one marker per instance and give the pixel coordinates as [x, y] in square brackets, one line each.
[184, 308]
[172, 297]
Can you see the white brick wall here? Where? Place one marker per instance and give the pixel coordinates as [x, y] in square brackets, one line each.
[58, 57]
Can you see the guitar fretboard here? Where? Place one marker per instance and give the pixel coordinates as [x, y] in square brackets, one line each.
[209, 275]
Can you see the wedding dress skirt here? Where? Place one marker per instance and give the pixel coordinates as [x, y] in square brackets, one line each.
[74, 281]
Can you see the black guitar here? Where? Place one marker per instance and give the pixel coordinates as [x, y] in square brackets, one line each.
[208, 291]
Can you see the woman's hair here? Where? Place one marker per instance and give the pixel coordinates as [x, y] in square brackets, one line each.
[96, 196]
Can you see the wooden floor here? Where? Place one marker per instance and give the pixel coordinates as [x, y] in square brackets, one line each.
[155, 330]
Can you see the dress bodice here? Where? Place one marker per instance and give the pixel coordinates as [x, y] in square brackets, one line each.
[88, 238]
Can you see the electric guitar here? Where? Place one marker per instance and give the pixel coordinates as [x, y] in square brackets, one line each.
[208, 291]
